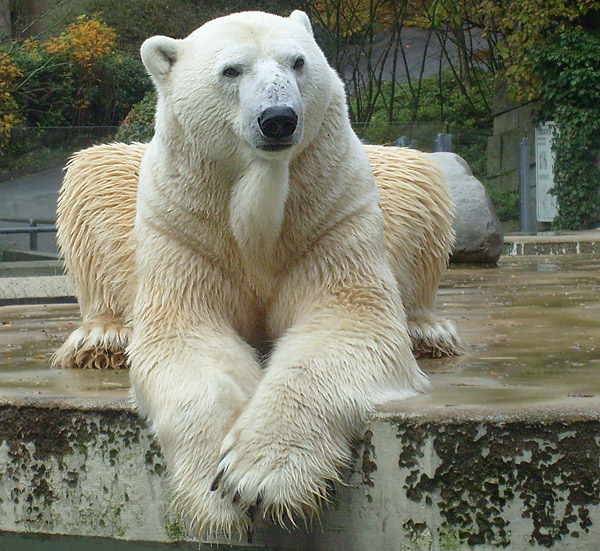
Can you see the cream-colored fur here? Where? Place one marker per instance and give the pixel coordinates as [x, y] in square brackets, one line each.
[417, 210]
[225, 246]
[97, 214]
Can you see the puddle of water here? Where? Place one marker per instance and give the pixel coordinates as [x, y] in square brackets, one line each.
[533, 329]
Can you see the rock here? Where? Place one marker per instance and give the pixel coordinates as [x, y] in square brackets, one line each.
[478, 231]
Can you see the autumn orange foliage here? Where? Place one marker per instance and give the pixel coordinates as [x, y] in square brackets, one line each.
[89, 40]
[8, 107]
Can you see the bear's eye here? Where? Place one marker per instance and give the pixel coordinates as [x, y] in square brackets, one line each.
[231, 72]
[298, 64]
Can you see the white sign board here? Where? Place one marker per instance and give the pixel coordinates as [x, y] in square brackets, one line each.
[544, 173]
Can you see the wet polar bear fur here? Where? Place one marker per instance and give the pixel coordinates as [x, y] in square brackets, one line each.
[240, 234]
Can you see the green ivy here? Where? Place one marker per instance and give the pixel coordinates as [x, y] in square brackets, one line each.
[570, 70]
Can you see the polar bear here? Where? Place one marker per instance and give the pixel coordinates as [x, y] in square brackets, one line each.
[256, 220]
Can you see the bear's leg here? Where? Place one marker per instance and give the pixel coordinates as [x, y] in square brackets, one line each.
[95, 216]
[346, 350]
[193, 383]
[417, 210]
[191, 372]
[98, 343]
[418, 277]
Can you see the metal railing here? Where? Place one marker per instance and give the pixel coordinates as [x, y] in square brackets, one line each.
[33, 229]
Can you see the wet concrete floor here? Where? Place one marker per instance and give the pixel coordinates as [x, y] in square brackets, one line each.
[532, 326]
[29, 334]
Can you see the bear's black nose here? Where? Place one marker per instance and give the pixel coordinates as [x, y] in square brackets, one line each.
[277, 123]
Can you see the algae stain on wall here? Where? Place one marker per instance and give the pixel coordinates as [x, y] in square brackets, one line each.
[78, 472]
[496, 483]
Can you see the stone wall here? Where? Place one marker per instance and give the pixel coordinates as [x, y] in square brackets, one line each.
[512, 123]
[510, 126]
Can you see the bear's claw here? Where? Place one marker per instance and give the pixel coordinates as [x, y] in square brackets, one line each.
[275, 476]
[217, 480]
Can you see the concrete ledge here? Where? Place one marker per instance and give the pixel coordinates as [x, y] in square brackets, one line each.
[481, 481]
[31, 268]
[552, 244]
[34, 290]
[502, 453]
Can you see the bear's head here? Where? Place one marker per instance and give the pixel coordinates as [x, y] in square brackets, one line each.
[248, 84]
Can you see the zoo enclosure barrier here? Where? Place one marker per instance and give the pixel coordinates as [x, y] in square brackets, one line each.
[32, 229]
[426, 135]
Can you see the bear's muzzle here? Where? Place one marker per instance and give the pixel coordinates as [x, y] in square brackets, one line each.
[277, 124]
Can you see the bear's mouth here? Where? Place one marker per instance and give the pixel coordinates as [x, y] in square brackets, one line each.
[275, 146]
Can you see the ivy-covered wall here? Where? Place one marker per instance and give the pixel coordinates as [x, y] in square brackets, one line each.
[570, 95]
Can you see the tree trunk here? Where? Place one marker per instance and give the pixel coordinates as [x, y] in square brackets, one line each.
[5, 26]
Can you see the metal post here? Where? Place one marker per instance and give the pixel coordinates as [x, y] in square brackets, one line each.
[524, 187]
[403, 141]
[443, 142]
[447, 140]
[33, 242]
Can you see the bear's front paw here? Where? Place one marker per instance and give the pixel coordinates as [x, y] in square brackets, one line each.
[283, 475]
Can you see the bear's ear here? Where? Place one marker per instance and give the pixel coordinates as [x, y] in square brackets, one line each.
[300, 17]
[159, 53]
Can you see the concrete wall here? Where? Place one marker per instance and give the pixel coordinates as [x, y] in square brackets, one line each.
[469, 480]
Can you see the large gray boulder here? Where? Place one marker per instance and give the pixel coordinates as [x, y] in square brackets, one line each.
[478, 231]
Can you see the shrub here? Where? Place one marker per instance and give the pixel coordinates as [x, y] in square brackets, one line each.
[138, 126]
[77, 78]
[89, 41]
[9, 109]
